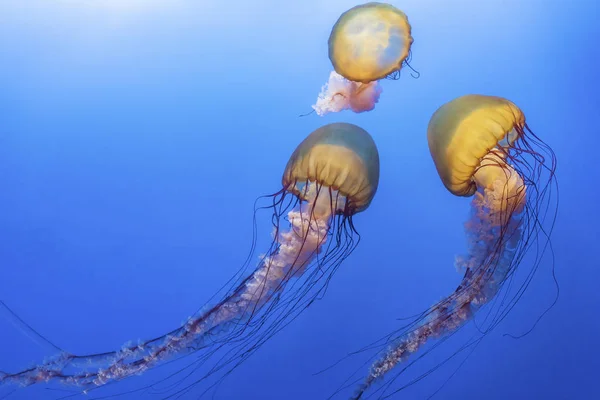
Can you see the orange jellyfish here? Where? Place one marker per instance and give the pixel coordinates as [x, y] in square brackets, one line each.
[330, 177]
[367, 43]
[481, 147]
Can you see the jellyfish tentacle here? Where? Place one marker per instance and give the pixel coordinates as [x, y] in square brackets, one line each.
[332, 175]
[309, 229]
[340, 94]
[481, 147]
[497, 205]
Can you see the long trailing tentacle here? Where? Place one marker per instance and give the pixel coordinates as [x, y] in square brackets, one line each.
[499, 241]
[257, 308]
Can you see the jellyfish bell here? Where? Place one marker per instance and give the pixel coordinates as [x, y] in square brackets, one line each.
[341, 157]
[330, 177]
[369, 42]
[482, 148]
[469, 130]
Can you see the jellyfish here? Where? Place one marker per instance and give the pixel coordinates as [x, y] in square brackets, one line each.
[367, 43]
[330, 177]
[481, 147]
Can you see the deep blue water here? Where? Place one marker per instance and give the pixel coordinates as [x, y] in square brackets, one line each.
[135, 136]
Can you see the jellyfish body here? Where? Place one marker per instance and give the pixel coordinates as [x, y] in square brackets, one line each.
[332, 175]
[368, 43]
[481, 147]
[340, 94]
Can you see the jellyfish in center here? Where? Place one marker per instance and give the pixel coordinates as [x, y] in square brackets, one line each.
[481, 147]
[330, 177]
[369, 42]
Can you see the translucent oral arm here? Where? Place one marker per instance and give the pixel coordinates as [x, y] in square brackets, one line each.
[297, 247]
[493, 232]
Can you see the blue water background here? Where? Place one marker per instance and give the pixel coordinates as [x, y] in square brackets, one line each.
[135, 136]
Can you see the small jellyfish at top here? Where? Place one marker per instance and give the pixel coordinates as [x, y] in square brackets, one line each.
[330, 177]
[482, 148]
[369, 42]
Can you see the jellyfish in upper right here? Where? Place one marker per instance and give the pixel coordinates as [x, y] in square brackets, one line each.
[369, 42]
[482, 148]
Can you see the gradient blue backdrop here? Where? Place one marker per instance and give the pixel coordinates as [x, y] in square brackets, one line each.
[135, 136]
